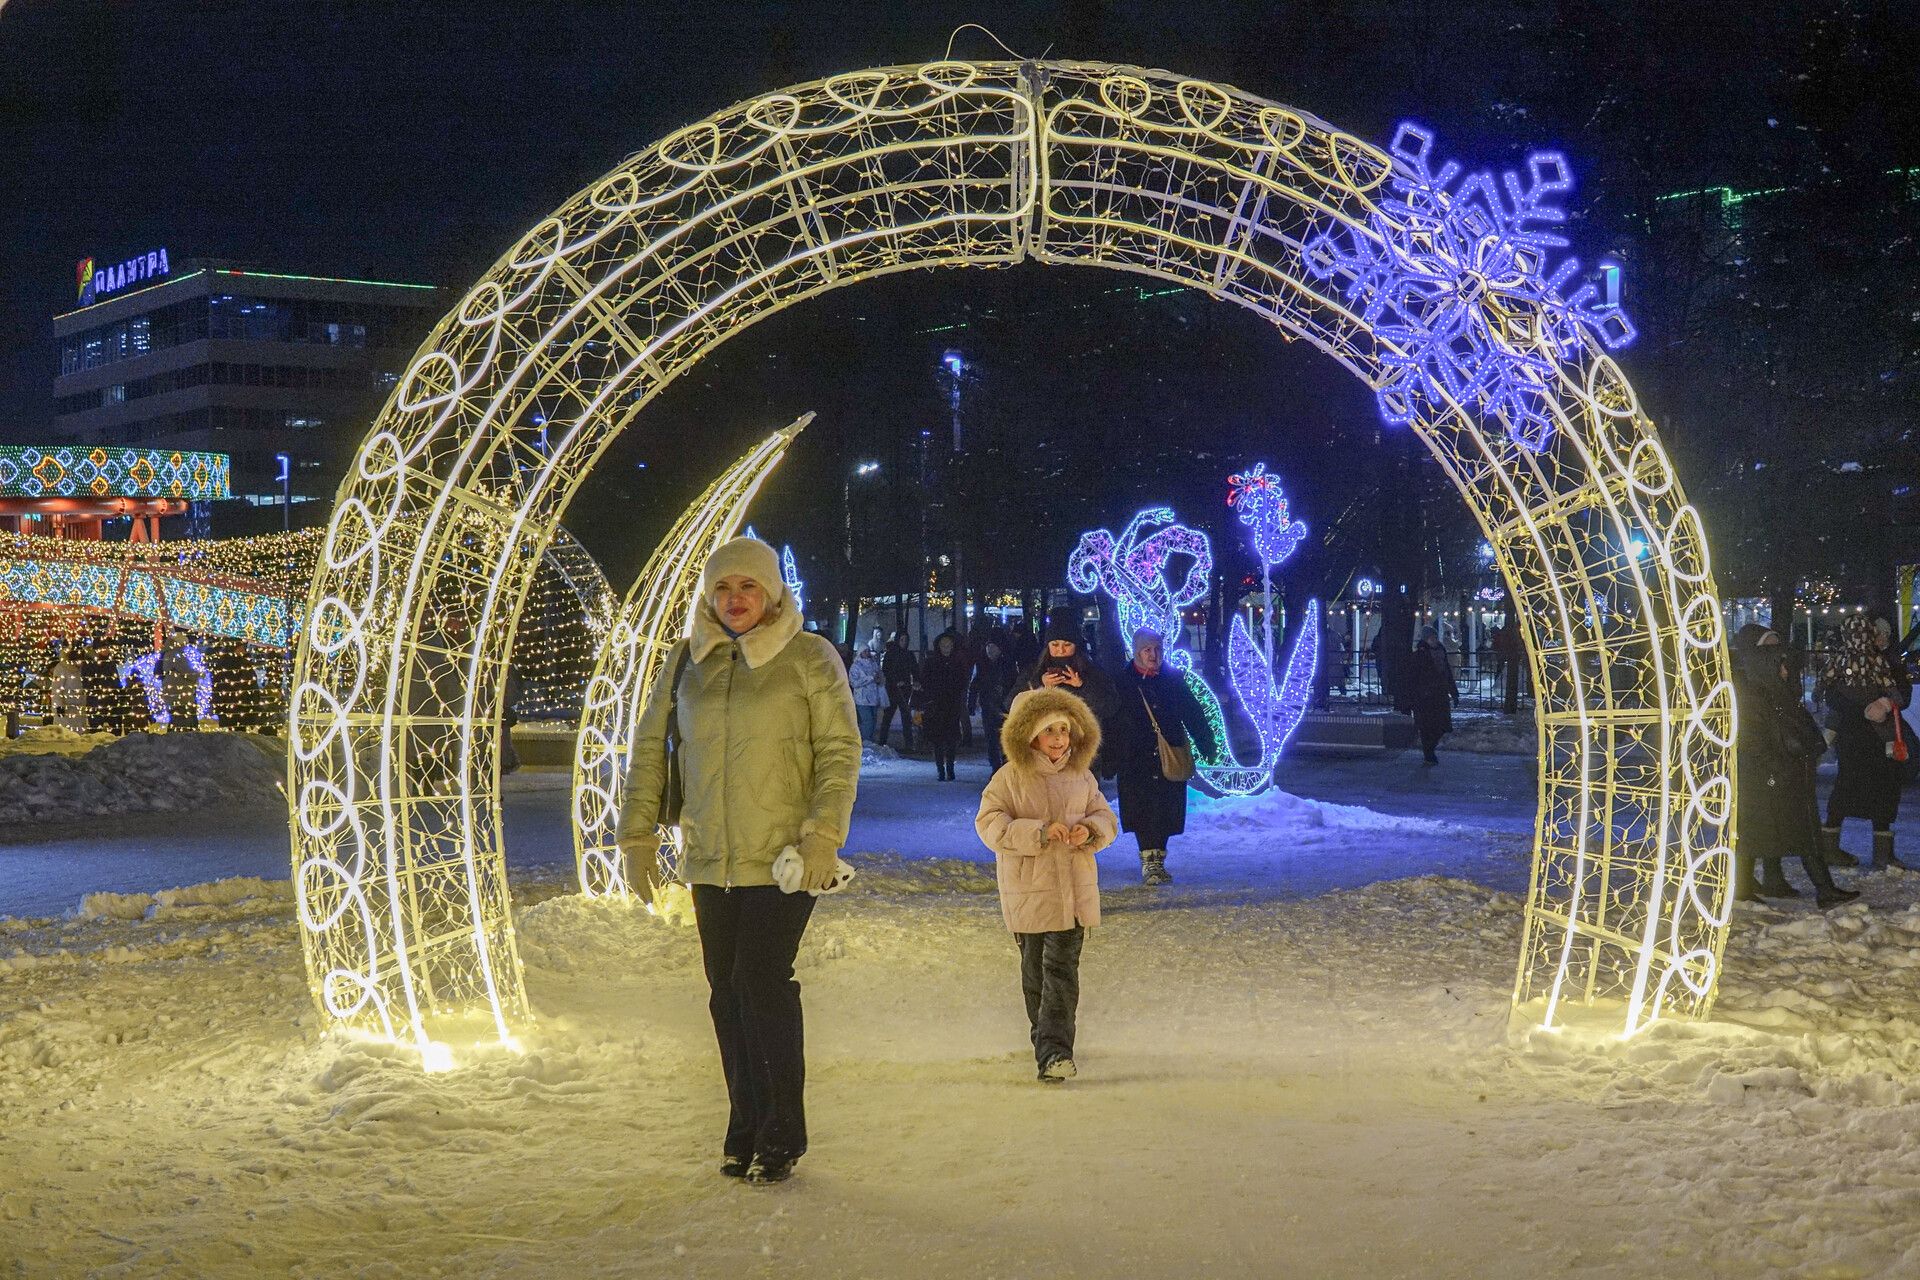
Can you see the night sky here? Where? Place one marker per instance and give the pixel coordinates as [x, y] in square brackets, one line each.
[415, 142]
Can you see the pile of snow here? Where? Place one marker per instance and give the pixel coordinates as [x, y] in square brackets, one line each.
[1280, 817]
[872, 753]
[208, 899]
[143, 773]
[53, 740]
[1493, 734]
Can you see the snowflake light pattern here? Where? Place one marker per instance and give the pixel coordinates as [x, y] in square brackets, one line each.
[1456, 283]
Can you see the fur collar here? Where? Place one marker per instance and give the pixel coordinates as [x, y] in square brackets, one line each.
[1034, 708]
[758, 646]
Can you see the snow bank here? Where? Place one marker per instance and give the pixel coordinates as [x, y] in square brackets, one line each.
[1280, 817]
[52, 739]
[143, 773]
[196, 899]
[1492, 734]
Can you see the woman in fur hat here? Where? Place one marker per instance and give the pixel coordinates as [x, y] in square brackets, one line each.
[770, 756]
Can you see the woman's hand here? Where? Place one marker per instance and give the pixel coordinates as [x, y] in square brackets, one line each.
[1057, 833]
[1052, 676]
[1078, 835]
[819, 857]
[1071, 676]
[1879, 709]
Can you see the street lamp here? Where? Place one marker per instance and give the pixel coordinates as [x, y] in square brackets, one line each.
[860, 471]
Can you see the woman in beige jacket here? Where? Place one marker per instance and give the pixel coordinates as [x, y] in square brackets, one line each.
[1043, 816]
[770, 757]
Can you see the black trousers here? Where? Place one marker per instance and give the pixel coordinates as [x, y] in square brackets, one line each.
[1050, 980]
[899, 698]
[748, 938]
[990, 725]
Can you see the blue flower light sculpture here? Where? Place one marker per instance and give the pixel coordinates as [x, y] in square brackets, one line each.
[1455, 283]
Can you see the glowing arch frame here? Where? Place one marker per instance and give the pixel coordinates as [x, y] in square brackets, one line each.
[657, 611]
[399, 871]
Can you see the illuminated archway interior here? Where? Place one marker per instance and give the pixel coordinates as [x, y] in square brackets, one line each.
[1365, 252]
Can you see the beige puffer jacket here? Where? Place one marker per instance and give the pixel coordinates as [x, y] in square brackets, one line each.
[1045, 886]
[770, 749]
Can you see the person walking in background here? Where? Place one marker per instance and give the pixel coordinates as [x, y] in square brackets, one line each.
[869, 690]
[1063, 664]
[1864, 699]
[1153, 703]
[992, 688]
[900, 672]
[943, 700]
[1432, 693]
[1779, 747]
[1043, 816]
[764, 727]
[1510, 654]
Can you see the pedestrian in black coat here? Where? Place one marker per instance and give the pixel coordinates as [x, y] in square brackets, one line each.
[1864, 699]
[900, 670]
[994, 678]
[943, 700]
[1778, 750]
[1063, 664]
[1431, 692]
[1149, 694]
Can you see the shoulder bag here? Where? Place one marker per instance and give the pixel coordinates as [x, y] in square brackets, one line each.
[673, 791]
[1176, 763]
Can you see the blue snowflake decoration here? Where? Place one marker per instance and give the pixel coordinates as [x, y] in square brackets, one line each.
[1457, 282]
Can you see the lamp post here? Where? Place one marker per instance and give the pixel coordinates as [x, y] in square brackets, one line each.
[859, 471]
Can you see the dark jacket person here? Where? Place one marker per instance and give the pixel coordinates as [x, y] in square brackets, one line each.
[770, 754]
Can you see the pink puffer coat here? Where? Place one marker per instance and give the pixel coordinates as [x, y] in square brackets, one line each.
[1045, 886]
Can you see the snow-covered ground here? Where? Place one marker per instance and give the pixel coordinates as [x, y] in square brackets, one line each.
[1295, 1061]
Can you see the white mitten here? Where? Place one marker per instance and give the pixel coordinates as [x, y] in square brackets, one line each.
[788, 870]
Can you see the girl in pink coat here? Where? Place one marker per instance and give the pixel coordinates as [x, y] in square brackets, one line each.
[1043, 816]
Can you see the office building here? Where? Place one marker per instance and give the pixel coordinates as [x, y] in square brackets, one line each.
[208, 356]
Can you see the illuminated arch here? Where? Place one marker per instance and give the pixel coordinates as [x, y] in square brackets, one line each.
[399, 872]
[657, 611]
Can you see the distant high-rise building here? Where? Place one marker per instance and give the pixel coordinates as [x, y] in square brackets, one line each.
[209, 356]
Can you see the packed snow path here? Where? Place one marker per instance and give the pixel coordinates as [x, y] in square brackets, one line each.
[1320, 1087]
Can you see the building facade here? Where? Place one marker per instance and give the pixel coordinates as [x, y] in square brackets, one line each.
[208, 356]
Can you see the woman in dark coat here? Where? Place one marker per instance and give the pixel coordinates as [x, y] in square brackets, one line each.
[943, 700]
[1063, 664]
[1779, 746]
[1152, 806]
[1863, 699]
[1432, 692]
[994, 678]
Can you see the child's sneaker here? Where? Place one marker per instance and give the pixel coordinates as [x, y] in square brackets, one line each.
[1058, 1069]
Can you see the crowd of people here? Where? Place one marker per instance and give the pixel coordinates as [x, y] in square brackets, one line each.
[1139, 707]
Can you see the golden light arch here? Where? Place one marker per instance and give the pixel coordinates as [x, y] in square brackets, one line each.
[399, 873]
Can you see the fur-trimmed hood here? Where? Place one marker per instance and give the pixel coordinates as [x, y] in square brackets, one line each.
[759, 646]
[1031, 710]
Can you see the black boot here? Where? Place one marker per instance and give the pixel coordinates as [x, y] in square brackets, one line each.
[1883, 853]
[1831, 851]
[1773, 884]
[1825, 892]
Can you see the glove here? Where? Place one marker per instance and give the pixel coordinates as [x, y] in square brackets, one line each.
[819, 856]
